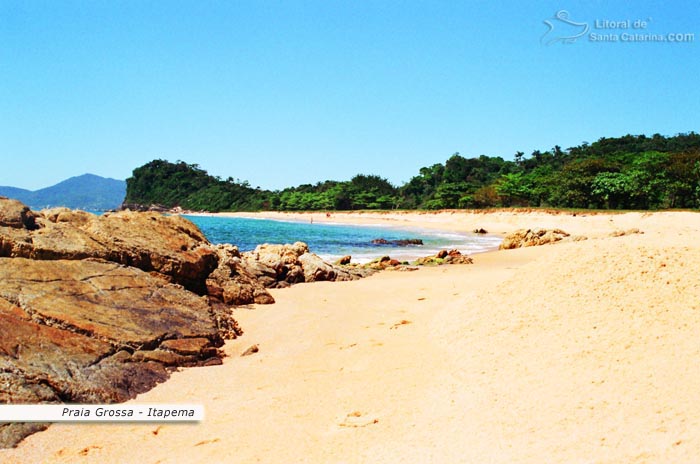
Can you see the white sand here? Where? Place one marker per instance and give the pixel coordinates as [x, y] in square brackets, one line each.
[578, 352]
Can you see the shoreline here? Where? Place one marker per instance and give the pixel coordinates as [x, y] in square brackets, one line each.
[566, 352]
[495, 222]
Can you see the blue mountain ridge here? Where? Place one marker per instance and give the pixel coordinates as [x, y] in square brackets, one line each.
[86, 192]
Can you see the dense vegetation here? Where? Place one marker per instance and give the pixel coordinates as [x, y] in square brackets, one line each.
[630, 172]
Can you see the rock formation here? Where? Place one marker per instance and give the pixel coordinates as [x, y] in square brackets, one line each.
[399, 242]
[232, 282]
[277, 266]
[98, 309]
[445, 257]
[171, 246]
[535, 237]
[101, 308]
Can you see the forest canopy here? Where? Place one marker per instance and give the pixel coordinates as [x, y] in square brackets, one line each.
[629, 172]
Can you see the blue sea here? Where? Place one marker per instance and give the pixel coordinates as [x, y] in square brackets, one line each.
[332, 241]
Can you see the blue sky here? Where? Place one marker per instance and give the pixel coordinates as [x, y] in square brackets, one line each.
[281, 93]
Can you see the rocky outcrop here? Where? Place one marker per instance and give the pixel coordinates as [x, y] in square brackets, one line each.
[16, 215]
[101, 308]
[397, 243]
[535, 237]
[278, 266]
[171, 246]
[233, 283]
[94, 331]
[344, 260]
[141, 208]
[445, 257]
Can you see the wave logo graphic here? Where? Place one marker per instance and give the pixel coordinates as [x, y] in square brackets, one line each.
[562, 29]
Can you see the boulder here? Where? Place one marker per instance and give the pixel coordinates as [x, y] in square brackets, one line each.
[87, 331]
[106, 301]
[444, 257]
[281, 265]
[532, 237]
[233, 283]
[16, 215]
[379, 264]
[456, 257]
[316, 270]
[171, 246]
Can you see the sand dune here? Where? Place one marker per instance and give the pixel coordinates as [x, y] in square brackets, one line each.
[575, 352]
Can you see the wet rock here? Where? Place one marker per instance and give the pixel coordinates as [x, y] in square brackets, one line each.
[400, 242]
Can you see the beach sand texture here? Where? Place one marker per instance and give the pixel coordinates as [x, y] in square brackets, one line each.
[576, 352]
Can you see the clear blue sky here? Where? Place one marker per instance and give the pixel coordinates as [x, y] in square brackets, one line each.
[288, 92]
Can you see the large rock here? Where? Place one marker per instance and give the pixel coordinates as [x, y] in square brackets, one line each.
[445, 257]
[316, 270]
[532, 237]
[93, 331]
[282, 265]
[107, 301]
[233, 283]
[15, 214]
[171, 246]
[98, 309]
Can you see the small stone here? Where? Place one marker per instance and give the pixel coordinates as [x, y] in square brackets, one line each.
[251, 350]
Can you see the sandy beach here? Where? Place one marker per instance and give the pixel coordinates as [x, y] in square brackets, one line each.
[498, 222]
[575, 352]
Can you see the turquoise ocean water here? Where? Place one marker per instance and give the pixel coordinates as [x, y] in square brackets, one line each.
[332, 241]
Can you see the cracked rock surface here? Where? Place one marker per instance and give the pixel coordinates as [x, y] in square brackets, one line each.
[99, 309]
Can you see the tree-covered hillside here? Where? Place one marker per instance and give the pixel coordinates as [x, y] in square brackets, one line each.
[630, 172]
[188, 186]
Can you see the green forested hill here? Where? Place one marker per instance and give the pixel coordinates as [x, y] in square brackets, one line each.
[630, 172]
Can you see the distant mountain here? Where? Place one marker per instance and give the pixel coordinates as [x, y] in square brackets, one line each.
[86, 192]
[14, 192]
